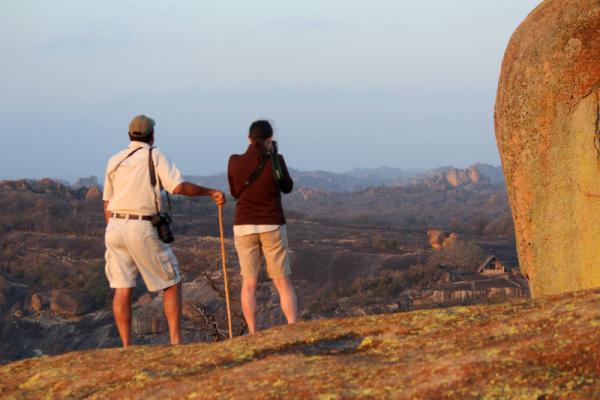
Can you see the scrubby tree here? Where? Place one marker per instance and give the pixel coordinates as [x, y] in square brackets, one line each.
[464, 255]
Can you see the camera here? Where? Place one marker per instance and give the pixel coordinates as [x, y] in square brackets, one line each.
[162, 223]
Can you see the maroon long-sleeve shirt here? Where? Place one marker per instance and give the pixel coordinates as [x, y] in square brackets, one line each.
[260, 202]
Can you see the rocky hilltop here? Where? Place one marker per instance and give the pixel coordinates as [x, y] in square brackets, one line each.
[524, 349]
[474, 176]
[43, 186]
[547, 128]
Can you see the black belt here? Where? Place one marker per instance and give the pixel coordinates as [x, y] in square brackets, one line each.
[131, 216]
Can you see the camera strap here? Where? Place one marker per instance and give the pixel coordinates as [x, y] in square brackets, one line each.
[154, 180]
[256, 173]
[111, 173]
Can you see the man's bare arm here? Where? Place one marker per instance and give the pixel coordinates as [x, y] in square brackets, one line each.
[106, 212]
[190, 189]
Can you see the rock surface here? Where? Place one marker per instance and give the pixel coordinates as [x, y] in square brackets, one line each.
[69, 302]
[461, 177]
[519, 350]
[436, 238]
[440, 240]
[39, 301]
[148, 320]
[93, 193]
[451, 240]
[547, 113]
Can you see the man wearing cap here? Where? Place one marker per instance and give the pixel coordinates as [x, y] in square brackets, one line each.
[132, 243]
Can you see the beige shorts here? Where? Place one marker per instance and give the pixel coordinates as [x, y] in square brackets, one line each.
[272, 245]
[133, 246]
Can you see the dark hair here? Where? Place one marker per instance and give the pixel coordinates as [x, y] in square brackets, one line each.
[143, 139]
[259, 132]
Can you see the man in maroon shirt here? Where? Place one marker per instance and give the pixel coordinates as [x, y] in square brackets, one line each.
[259, 227]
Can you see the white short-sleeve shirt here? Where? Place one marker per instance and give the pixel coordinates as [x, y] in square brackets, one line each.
[128, 188]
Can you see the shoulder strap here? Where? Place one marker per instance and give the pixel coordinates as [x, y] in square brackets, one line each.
[151, 168]
[154, 180]
[255, 174]
[121, 162]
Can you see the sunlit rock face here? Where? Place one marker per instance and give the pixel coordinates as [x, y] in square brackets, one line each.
[547, 122]
[521, 349]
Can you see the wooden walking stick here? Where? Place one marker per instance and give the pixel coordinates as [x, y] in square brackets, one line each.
[225, 270]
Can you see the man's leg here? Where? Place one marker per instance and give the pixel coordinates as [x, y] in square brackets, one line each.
[287, 297]
[122, 313]
[249, 301]
[172, 306]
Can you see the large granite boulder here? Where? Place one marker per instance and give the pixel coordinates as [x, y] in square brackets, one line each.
[436, 238]
[148, 320]
[40, 301]
[451, 240]
[70, 303]
[93, 194]
[547, 128]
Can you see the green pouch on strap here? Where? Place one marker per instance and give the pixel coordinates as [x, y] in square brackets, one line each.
[277, 170]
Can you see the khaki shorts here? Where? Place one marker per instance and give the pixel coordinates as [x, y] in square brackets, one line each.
[273, 245]
[133, 246]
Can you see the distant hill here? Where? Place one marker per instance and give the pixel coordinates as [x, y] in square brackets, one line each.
[473, 207]
[360, 178]
[385, 173]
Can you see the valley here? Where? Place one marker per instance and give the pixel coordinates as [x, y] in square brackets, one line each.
[353, 253]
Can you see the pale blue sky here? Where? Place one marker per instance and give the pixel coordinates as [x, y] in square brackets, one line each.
[346, 83]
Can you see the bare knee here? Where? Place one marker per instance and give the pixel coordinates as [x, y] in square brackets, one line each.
[249, 284]
[282, 283]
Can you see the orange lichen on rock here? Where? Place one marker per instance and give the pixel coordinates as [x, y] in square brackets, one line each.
[524, 349]
[547, 113]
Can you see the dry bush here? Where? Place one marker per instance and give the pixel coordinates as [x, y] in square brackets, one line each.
[387, 286]
[466, 256]
[422, 275]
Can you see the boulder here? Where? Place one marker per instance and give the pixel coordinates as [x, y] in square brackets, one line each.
[200, 293]
[473, 174]
[47, 182]
[436, 238]
[40, 301]
[546, 120]
[463, 177]
[451, 240]
[145, 299]
[148, 320]
[68, 302]
[458, 177]
[93, 193]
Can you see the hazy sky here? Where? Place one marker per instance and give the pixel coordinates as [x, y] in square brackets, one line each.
[346, 83]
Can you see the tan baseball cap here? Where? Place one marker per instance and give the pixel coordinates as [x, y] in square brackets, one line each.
[141, 126]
